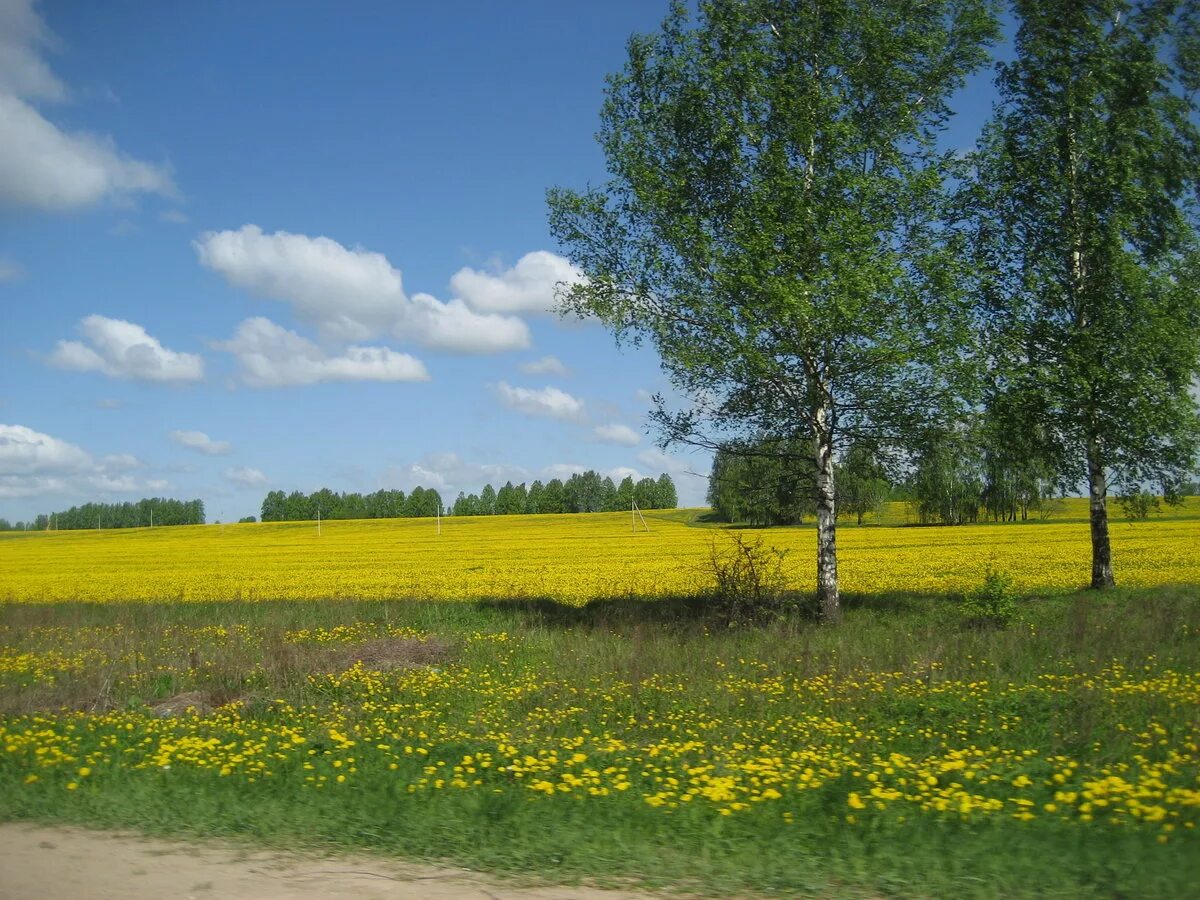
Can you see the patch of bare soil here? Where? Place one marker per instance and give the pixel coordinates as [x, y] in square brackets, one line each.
[60, 863]
[387, 654]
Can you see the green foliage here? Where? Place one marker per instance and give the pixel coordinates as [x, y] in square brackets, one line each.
[165, 511]
[863, 485]
[582, 492]
[758, 484]
[776, 222]
[892, 668]
[1085, 198]
[383, 504]
[1137, 505]
[994, 603]
[947, 485]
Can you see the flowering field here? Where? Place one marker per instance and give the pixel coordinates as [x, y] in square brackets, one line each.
[902, 752]
[503, 738]
[570, 558]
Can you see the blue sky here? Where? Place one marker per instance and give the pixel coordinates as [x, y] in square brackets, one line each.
[248, 246]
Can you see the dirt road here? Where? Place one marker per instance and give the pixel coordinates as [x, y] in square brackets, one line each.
[44, 863]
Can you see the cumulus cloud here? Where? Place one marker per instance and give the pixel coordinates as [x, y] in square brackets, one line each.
[23, 36]
[548, 402]
[200, 442]
[270, 355]
[24, 451]
[123, 349]
[563, 471]
[617, 434]
[528, 287]
[547, 365]
[449, 473]
[43, 166]
[350, 294]
[245, 476]
[452, 326]
[620, 473]
[33, 463]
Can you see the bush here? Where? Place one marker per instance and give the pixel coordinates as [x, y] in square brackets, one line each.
[994, 603]
[1138, 505]
[750, 582]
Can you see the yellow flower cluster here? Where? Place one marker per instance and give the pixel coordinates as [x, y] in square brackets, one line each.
[569, 558]
[875, 744]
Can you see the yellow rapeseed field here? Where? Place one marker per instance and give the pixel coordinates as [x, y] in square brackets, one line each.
[569, 558]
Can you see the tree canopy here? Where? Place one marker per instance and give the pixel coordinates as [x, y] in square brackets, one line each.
[776, 223]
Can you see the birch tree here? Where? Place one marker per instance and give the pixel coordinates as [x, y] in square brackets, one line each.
[775, 223]
[1087, 178]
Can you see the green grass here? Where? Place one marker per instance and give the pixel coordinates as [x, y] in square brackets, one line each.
[662, 673]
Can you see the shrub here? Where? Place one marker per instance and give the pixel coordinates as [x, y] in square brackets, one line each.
[1138, 505]
[994, 603]
[750, 581]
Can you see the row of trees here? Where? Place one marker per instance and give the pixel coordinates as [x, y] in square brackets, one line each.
[813, 262]
[582, 492]
[952, 480]
[383, 504]
[139, 514]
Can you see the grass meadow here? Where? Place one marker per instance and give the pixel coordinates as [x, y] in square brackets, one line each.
[632, 739]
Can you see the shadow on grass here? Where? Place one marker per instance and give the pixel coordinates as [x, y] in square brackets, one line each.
[695, 609]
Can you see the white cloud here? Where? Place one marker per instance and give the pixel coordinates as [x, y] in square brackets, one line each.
[528, 287]
[15, 486]
[33, 464]
[620, 473]
[9, 270]
[174, 216]
[563, 471]
[617, 434]
[123, 349]
[270, 355]
[22, 36]
[201, 442]
[452, 326]
[43, 166]
[449, 473]
[547, 365]
[245, 476]
[350, 294]
[113, 484]
[24, 451]
[549, 402]
[121, 462]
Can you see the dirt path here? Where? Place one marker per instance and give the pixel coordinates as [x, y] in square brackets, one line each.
[52, 863]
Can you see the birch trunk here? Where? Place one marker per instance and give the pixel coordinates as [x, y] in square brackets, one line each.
[827, 578]
[1102, 571]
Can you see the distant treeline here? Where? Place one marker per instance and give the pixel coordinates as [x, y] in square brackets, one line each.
[386, 504]
[150, 510]
[957, 477]
[585, 492]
